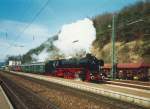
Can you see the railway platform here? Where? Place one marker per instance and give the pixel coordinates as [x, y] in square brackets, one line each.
[136, 96]
[4, 101]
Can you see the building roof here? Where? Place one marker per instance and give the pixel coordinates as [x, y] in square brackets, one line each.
[128, 65]
[108, 66]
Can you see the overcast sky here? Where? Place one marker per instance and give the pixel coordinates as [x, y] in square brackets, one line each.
[16, 15]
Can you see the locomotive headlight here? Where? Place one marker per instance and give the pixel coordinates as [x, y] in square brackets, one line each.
[103, 77]
[92, 77]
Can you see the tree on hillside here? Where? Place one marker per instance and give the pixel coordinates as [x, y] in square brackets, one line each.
[132, 24]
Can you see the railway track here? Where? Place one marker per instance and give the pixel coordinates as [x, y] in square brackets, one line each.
[22, 98]
[132, 84]
[15, 100]
[68, 98]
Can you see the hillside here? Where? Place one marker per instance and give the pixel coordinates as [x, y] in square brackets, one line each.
[132, 37]
[132, 34]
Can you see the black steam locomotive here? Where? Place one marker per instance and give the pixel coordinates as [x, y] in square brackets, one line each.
[88, 68]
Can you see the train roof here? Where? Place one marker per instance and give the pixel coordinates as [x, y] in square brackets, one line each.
[35, 63]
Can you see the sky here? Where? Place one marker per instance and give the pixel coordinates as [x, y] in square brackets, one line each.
[25, 24]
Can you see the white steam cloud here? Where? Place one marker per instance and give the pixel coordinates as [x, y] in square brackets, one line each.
[76, 37]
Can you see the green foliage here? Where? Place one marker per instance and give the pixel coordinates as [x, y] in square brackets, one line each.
[101, 23]
[132, 22]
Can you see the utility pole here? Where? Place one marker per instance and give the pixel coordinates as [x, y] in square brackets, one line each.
[113, 72]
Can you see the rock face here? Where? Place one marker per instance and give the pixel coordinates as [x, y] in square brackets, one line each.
[125, 52]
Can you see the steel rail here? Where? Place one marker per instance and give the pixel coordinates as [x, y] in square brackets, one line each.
[11, 95]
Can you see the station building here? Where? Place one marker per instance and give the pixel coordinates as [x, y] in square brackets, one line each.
[14, 62]
[130, 71]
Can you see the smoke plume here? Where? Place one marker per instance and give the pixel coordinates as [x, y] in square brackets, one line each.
[76, 37]
[40, 57]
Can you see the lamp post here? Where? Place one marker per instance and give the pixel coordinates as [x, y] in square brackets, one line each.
[113, 72]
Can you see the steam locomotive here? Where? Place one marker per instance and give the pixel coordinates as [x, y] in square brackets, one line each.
[88, 68]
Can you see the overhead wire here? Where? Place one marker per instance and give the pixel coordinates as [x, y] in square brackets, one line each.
[28, 25]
